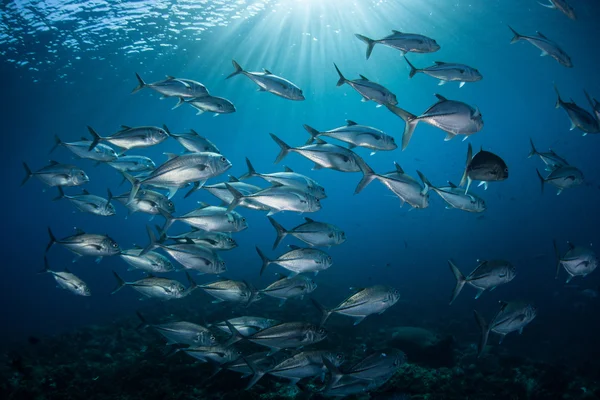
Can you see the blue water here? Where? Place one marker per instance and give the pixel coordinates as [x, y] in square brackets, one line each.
[57, 83]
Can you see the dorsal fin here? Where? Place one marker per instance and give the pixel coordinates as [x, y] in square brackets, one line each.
[395, 31]
[170, 156]
[439, 63]
[52, 162]
[320, 141]
[233, 179]
[280, 276]
[85, 191]
[202, 204]
[310, 220]
[266, 71]
[398, 168]
[125, 127]
[571, 245]
[170, 78]
[85, 139]
[349, 122]
[79, 231]
[440, 97]
[294, 247]
[193, 132]
[287, 169]
[540, 34]
[452, 185]
[67, 270]
[364, 77]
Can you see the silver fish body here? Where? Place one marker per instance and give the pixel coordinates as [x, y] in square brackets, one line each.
[368, 90]
[547, 46]
[299, 260]
[448, 72]
[217, 105]
[212, 240]
[194, 142]
[564, 177]
[357, 136]
[81, 148]
[147, 201]
[287, 288]
[132, 163]
[132, 137]
[231, 291]
[150, 262]
[154, 287]
[577, 261]
[211, 219]
[487, 276]
[89, 203]
[311, 232]
[87, 244]
[67, 280]
[56, 174]
[404, 42]
[246, 325]
[271, 83]
[173, 87]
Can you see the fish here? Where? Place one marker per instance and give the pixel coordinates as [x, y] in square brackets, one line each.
[221, 192]
[298, 260]
[211, 240]
[563, 178]
[89, 203]
[290, 287]
[277, 198]
[402, 185]
[579, 117]
[456, 198]
[452, 116]
[180, 170]
[246, 325]
[160, 288]
[447, 72]
[232, 291]
[547, 46]
[57, 174]
[594, 104]
[485, 166]
[577, 261]
[512, 317]
[271, 83]
[173, 87]
[214, 104]
[550, 158]
[287, 178]
[132, 163]
[193, 142]
[67, 280]
[311, 232]
[129, 138]
[86, 244]
[152, 261]
[371, 300]
[147, 201]
[348, 386]
[100, 153]
[404, 42]
[356, 136]
[562, 6]
[367, 89]
[487, 276]
[181, 332]
[260, 360]
[209, 218]
[215, 354]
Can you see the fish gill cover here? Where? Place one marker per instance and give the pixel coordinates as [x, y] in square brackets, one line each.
[383, 238]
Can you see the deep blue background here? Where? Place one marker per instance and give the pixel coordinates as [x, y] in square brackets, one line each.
[516, 98]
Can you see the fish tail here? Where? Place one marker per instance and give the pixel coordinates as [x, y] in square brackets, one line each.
[192, 284]
[238, 69]
[370, 43]
[143, 323]
[313, 133]
[542, 180]
[195, 187]
[558, 99]
[57, 142]
[516, 36]
[46, 266]
[28, 173]
[589, 99]
[96, 138]
[237, 197]
[485, 332]
[533, 151]
[409, 119]
[368, 176]
[325, 313]
[557, 253]
[465, 175]
[141, 84]
[52, 239]
[120, 283]
[413, 70]
[460, 280]
[336, 374]
[257, 372]
[135, 186]
[285, 149]
[236, 336]
[281, 232]
[180, 101]
[61, 194]
[169, 219]
[426, 182]
[265, 260]
[251, 171]
[342, 80]
[153, 241]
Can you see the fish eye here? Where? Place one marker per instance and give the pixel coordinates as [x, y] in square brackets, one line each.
[223, 159]
[506, 170]
[170, 204]
[243, 220]
[115, 245]
[212, 338]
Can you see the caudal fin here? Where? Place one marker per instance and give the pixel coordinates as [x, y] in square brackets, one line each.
[28, 173]
[325, 313]
[57, 142]
[370, 43]
[236, 336]
[409, 119]
[96, 138]
[141, 84]
[558, 99]
[342, 80]
[238, 69]
[192, 285]
[336, 375]
[313, 133]
[533, 151]
[237, 197]
[465, 177]
[413, 70]
[265, 260]
[485, 332]
[61, 194]
[169, 219]
[143, 323]
[281, 232]
[120, 283]
[251, 171]
[460, 280]
[516, 36]
[368, 176]
[153, 241]
[46, 266]
[541, 178]
[52, 239]
[257, 372]
[285, 149]
[135, 186]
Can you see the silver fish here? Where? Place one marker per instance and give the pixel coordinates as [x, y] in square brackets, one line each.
[277, 198]
[132, 163]
[284, 336]
[214, 104]
[348, 386]
[452, 116]
[485, 167]
[211, 240]
[579, 117]
[231, 291]
[448, 72]
[57, 174]
[89, 203]
[550, 158]
[563, 178]
[193, 141]
[269, 82]
[260, 361]
[66, 280]
[221, 191]
[152, 262]
[577, 261]
[299, 260]
[562, 6]
[357, 136]
[455, 197]
[215, 354]
[547, 47]
[487, 276]
[129, 138]
[368, 90]
[147, 201]
[173, 87]
[210, 219]
[161, 288]
[246, 325]
[290, 287]
[100, 153]
[371, 300]
[86, 244]
[181, 332]
[288, 178]
[511, 317]
[311, 232]
[405, 42]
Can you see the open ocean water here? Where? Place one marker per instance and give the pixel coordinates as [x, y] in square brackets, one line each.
[67, 65]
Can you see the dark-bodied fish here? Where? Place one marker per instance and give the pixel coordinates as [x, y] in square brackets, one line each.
[579, 117]
[87, 244]
[246, 325]
[548, 47]
[151, 262]
[160, 288]
[232, 291]
[550, 158]
[452, 116]
[268, 82]
[356, 136]
[368, 90]
[181, 332]
[404, 42]
[311, 232]
[129, 138]
[173, 87]
[455, 197]
[299, 260]
[57, 174]
[562, 6]
[595, 104]
[484, 167]
[221, 191]
[193, 142]
[288, 178]
[277, 198]
[132, 163]
[512, 317]
[562, 177]
[210, 219]
[66, 280]
[290, 287]
[100, 153]
[448, 72]
[577, 261]
[487, 276]
[371, 300]
[214, 104]
[147, 201]
[211, 240]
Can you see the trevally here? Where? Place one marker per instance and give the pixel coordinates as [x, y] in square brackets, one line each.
[68, 281]
[211, 240]
[246, 325]
[277, 198]
[405, 42]
[290, 287]
[564, 177]
[173, 87]
[129, 138]
[181, 332]
[268, 82]
[311, 232]
[221, 191]
[356, 136]
[577, 261]
[550, 158]
[562, 6]
[547, 47]
[210, 219]
[367, 89]
[151, 262]
[232, 291]
[86, 244]
[193, 142]
[57, 174]
[161, 288]
[100, 153]
[485, 167]
[132, 163]
[579, 117]
[487, 276]
[455, 197]
[448, 72]
[214, 104]
[298, 260]
[147, 201]
[89, 203]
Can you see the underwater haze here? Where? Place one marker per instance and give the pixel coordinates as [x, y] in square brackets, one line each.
[526, 253]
